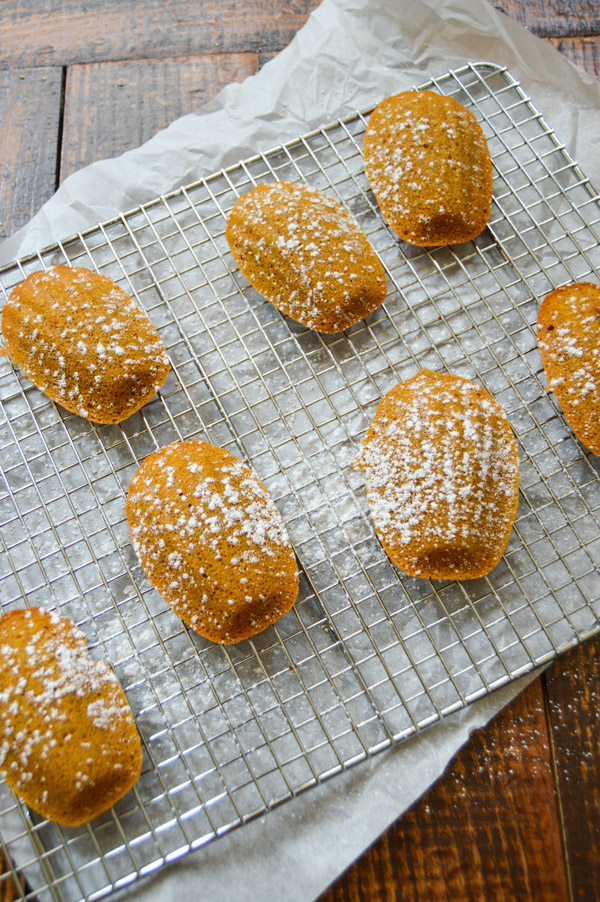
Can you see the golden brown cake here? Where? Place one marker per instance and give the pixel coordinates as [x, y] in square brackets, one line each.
[428, 163]
[568, 332]
[69, 746]
[306, 255]
[84, 342]
[442, 475]
[211, 540]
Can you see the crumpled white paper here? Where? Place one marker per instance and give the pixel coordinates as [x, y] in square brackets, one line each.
[349, 55]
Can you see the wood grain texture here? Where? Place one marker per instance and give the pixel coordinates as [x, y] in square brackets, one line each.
[554, 18]
[37, 32]
[266, 56]
[112, 107]
[488, 830]
[30, 110]
[573, 687]
[12, 885]
[584, 52]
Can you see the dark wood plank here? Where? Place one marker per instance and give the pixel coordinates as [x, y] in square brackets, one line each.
[10, 886]
[37, 32]
[489, 829]
[584, 52]
[554, 18]
[112, 107]
[265, 56]
[30, 109]
[573, 686]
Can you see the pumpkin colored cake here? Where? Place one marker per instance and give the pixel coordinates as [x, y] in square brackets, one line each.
[568, 332]
[306, 255]
[84, 342]
[69, 746]
[428, 163]
[442, 477]
[212, 541]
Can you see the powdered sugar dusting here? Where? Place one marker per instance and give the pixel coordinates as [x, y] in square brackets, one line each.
[84, 342]
[569, 343]
[428, 164]
[442, 472]
[211, 539]
[53, 696]
[306, 254]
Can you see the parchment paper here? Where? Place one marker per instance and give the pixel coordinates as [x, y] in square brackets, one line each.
[349, 55]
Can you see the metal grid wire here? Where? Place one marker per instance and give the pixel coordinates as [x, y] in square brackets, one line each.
[368, 656]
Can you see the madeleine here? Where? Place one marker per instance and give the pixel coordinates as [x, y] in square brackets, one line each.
[428, 163]
[442, 477]
[306, 255]
[84, 342]
[212, 541]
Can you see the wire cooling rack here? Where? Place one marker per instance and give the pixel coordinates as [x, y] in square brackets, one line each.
[368, 656]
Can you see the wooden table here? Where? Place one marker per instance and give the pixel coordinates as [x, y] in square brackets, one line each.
[517, 814]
